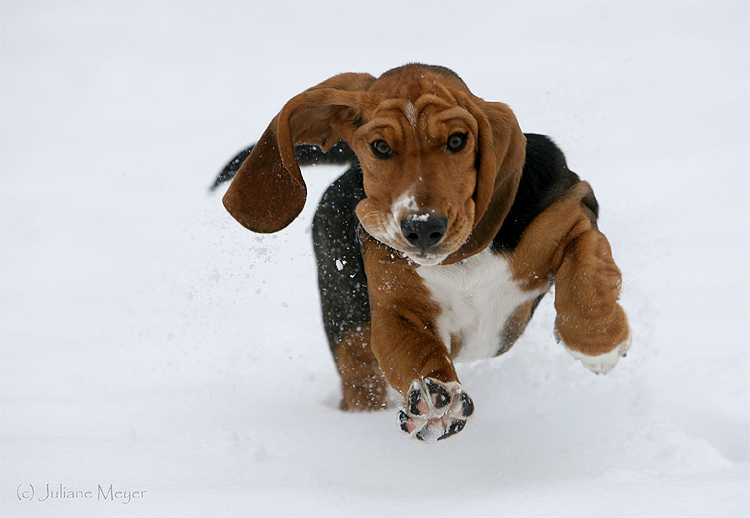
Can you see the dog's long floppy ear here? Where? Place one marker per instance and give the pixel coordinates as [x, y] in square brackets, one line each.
[501, 155]
[268, 191]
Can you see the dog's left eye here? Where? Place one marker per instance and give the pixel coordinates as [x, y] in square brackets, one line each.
[381, 149]
[456, 142]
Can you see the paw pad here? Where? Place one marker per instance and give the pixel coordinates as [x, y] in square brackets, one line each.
[434, 410]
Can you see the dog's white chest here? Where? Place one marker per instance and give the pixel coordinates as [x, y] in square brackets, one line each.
[476, 297]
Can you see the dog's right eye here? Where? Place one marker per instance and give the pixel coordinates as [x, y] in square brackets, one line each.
[456, 142]
[381, 149]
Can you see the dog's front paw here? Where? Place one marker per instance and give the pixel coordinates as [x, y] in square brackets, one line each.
[603, 363]
[434, 410]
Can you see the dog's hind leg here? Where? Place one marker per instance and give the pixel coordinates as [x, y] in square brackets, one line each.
[343, 294]
[363, 385]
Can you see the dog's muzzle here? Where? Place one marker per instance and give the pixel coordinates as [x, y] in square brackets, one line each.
[424, 231]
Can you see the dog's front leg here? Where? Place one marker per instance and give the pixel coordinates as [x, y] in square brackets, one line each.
[565, 242]
[590, 322]
[411, 355]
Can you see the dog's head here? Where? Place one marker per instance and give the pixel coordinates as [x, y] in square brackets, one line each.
[440, 166]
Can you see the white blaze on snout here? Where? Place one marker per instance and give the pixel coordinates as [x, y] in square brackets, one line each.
[404, 204]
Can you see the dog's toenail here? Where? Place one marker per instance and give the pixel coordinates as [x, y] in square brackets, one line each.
[442, 397]
[414, 399]
[468, 405]
[453, 429]
[403, 421]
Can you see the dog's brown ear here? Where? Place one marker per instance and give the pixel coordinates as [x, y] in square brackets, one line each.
[502, 154]
[500, 157]
[268, 191]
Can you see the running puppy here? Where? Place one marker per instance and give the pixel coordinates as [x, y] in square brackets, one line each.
[438, 243]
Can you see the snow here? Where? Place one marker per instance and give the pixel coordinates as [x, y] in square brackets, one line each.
[151, 344]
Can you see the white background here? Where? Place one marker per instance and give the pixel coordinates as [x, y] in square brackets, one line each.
[152, 344]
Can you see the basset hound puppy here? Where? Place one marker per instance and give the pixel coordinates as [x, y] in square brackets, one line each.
[438, 243]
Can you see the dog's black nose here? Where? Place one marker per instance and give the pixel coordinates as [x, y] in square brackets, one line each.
[424, 230]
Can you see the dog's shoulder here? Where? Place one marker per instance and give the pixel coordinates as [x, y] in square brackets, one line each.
[545, 177]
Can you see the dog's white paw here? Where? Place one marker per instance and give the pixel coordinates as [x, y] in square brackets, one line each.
[434, 410]
[603, 363]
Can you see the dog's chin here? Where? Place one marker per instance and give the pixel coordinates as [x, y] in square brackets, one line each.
[425, 259]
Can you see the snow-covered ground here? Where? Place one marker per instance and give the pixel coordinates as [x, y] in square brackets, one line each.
[151, 345]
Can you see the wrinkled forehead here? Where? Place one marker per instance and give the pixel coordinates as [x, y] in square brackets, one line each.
[428, 114]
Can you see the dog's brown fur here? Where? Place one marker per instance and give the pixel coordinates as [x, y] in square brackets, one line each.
[415, 109]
